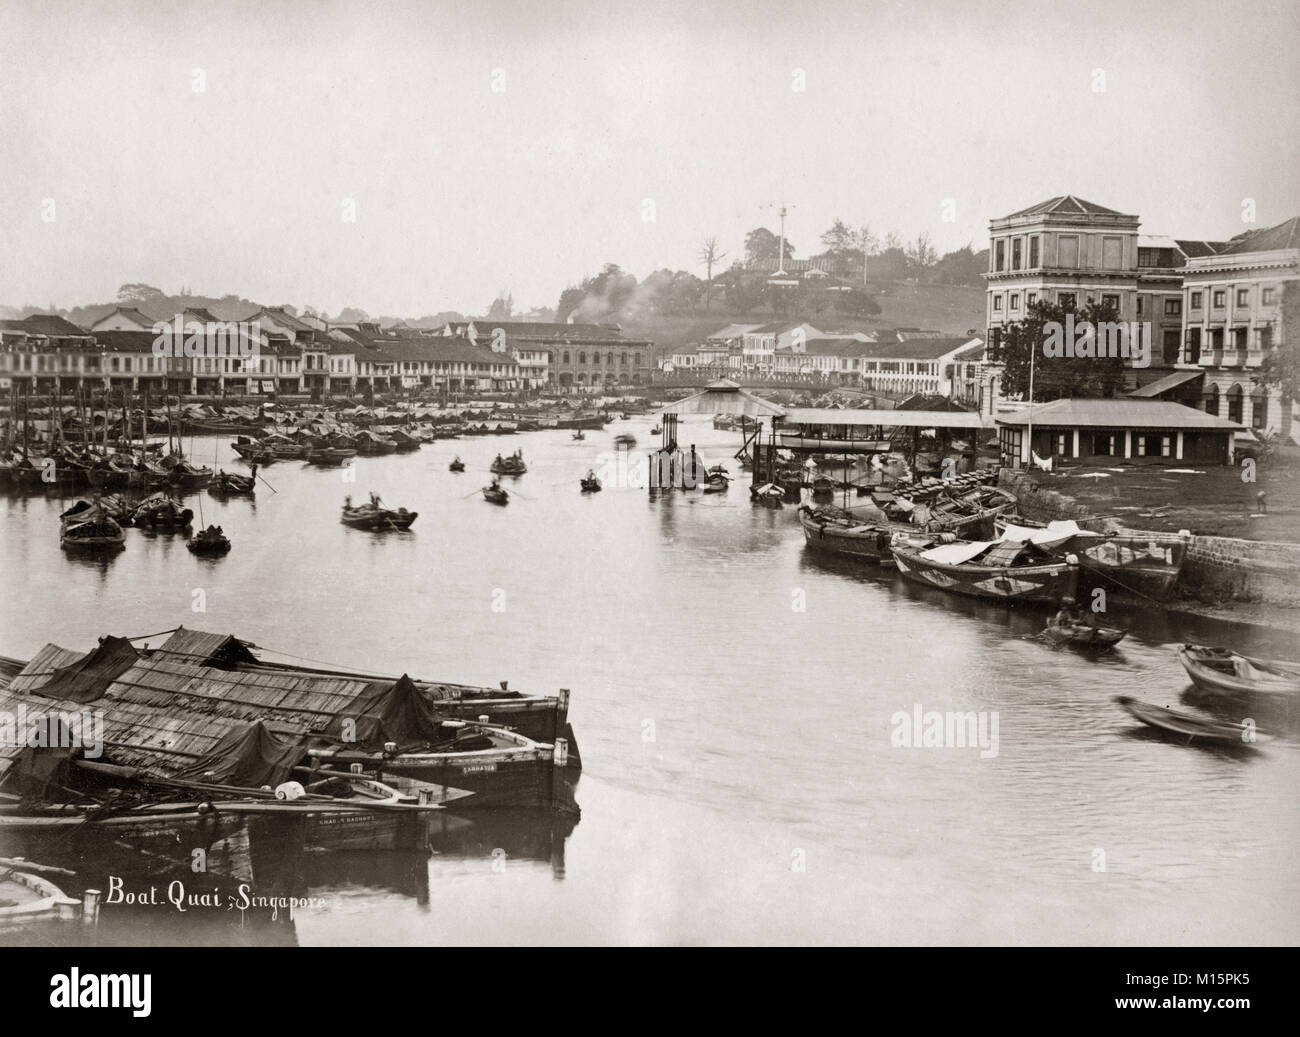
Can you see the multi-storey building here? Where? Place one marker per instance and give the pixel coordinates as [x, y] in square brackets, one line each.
[1065, 251]
[1232, 303]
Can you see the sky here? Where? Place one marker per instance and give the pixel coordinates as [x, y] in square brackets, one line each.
[497, 145]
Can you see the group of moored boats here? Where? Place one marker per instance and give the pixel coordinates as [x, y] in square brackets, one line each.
[200, 734]
[99, 524]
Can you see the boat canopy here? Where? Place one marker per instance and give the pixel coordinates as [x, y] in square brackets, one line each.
[956, 554]
[250, 757]
[1051, 535]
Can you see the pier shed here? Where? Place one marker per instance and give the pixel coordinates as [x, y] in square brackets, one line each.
[1106, 431]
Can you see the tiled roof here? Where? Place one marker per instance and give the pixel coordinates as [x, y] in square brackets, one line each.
[44, 324]
[921, 348]
[1066, 204]
[1194, 249]
[1283, 236]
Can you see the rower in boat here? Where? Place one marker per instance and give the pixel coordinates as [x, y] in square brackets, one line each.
[1070, 615]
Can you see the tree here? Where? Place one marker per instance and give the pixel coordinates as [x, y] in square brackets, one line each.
[710, 256]
[868, 244]
[503, 306]
[1280, 366]
[136, 293]
[744, 297]
[856, 303]
[921, 254]
[762, 246]
[602, 297]
[961, 267]
[351, 315]
[1055, 377]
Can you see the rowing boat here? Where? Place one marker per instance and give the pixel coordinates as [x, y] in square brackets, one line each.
[1190, 726]
[1007, 571]
[1222, 670]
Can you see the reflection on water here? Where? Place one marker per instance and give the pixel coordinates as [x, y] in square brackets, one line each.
[733, 696]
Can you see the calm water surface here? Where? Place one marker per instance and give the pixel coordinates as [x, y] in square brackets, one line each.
[732, 697]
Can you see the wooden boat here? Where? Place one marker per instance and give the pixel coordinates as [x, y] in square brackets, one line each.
[1147, 563]
[769, 495]
[656, 430]
[27, 896]
[1084, 635]
[161, 512]
[501, 767]
[374, 516]
[716, 483]
[189, 477]
[210, 541]
[112, 505]
[457, 465]
[512, 465]
[1190, 727]
[369, 444]
[1007, 570]
[822, 488]
[965, 506]
[839, 532]
[404, 440]
[495, 495]
[100, 532]
[1223, 671]
[330, 456]
[232, 484]
[591, 484]
[579, 435]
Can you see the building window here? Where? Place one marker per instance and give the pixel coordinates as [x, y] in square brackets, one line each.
[1216, 339]
[622, 360]
[1031, 297]
[1243, 296]
[595, 358]
[1169, 348]
[1192, 348]
[1217, 298]
[1267, 297]
[565, 356]
[1066, 300]
[1173, 307]
[1196, 300]
[582, 357]
[1239, 337]
[1234, 403]
[1140, 300]
[1266, 337]
[1111, 301]
[1033, 252]
[1015, 253]
[1061, 448]
[997, 303]
[1259, 409]
[1112, 251]
[1000, 248]
[1104, 443]
[1068, 250]
[1212, 400]
[1015, 300]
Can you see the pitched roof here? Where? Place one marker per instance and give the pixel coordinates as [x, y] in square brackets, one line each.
[50, 324]
[921, 348]
[130, 311]
[1066, 204]
[1194, 249]
[205, 316]
[282, 317]
[1169, 381]
[1123, 412]
[1272, 239]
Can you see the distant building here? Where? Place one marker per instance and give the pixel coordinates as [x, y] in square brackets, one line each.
[125, 318]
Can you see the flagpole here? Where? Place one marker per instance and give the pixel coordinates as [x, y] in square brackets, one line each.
[1031, 407]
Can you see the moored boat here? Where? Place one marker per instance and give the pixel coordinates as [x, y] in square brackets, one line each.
[839, 532]
[100, 533]
[1223, 671]
[1006, 570]
[232, 484]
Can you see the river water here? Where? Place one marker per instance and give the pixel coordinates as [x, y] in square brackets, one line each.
[734, 697]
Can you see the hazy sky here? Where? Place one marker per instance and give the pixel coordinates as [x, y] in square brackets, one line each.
[461, 190]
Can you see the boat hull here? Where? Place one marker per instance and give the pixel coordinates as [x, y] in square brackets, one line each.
[872, 544]
[1039, 584]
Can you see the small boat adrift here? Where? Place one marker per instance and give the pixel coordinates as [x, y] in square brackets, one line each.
[1190, 728]
[457, 465]
[495, 495]
[590, 483]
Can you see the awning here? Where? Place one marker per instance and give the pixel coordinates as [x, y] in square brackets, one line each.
[1170, 381]
[924, 419]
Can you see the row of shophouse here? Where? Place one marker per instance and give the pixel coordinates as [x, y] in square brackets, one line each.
[905, 361]
[1212, 309]
[273, 351]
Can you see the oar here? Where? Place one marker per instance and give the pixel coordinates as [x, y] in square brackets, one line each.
[263, 478]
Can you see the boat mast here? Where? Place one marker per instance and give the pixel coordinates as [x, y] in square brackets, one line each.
[1030, 432]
